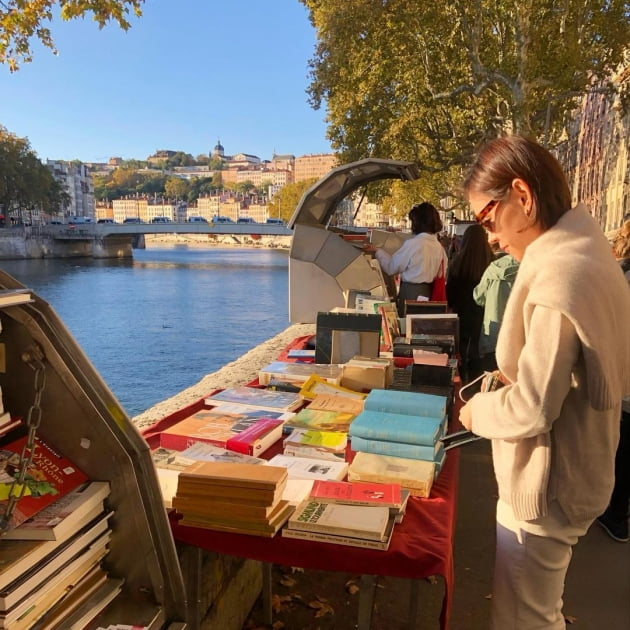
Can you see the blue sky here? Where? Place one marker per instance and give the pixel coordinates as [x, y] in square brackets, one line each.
[187, 73]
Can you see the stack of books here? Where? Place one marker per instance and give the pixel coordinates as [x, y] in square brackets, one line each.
[230, 497]
[298, 373]
[50, 564]
[399, 424]
[367, 522]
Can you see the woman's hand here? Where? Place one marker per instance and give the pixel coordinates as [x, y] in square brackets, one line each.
[368, 248]
[465, 416]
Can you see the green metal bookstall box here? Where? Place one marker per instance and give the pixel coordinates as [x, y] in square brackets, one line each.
[81, 418]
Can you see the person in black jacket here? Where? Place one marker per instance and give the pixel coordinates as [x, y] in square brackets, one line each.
[464, 274]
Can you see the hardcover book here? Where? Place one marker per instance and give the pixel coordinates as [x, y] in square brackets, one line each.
[261, 398]
[396, 427]
[395, 449]
[387, 495]
[356, 521]
[49, 477]
[65, 516]
[414, 474]
[410, 403]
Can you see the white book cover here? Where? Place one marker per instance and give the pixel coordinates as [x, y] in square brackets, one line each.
[310, 468]
[336, 518]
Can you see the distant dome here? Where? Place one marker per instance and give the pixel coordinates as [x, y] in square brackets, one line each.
[218, 149]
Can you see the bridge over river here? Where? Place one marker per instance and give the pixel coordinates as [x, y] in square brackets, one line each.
[113, 240]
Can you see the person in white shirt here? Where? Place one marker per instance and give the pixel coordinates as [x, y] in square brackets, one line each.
[418, 259]
[563, 352]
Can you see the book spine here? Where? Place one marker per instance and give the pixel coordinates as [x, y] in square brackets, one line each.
[395, 449]
[256, 438]
[335, 539]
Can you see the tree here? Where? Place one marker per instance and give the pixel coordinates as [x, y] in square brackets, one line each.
[23, 20]
[429, 82]
[285, 201]
[26, 183]
[176, 188]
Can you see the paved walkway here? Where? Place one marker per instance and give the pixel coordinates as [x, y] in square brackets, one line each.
[597, 593]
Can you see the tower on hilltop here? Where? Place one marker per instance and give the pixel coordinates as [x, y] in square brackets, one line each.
[218, 150]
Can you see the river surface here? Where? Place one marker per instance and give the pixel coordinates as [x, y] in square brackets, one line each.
[157, 324]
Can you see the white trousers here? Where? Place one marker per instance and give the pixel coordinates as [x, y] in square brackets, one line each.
[532, 558]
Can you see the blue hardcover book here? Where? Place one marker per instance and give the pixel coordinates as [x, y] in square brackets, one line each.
[396, 427]
[409, 403]
[396, 449]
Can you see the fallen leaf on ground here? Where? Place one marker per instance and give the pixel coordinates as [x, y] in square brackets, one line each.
[322, 607]
[569, 619]
[280, 603]
[431, 579]
[352, 587]
[277, 625]
[488, 596]
[297, 570]
[287, 580]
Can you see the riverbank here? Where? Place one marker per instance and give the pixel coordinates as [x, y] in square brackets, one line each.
[219, 240]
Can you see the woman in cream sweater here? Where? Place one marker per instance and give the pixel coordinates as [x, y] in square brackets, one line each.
[563, 352]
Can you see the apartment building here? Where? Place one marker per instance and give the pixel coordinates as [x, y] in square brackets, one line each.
[263, 176]
[313, 166]
[76, 180]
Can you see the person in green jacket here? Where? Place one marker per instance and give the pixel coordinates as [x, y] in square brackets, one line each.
[492, 294]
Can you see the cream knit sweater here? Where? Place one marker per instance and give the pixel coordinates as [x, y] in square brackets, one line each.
[564, 346]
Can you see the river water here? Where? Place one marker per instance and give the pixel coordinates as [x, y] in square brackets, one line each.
[155, 325]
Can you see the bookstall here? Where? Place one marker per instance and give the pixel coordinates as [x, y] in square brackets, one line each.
[421, 546]
[48, 382]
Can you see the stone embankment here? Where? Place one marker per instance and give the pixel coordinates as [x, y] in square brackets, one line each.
[219, 240]
[238, 372]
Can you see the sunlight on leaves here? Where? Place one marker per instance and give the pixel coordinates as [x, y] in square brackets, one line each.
[280, 603]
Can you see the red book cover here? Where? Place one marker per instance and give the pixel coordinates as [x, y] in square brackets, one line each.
[257, 438]
[357, 493]
[49, 477]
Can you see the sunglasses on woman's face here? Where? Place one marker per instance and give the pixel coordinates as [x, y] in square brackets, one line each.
[482, 217]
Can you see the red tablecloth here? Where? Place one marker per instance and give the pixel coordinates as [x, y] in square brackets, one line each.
[421, 546]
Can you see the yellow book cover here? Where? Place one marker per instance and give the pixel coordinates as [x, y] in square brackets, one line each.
[315, 385]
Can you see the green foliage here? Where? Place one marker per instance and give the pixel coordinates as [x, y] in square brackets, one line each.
[26, 183]
[125, 181]
[21, 21]
[176, 188]
[429, 82]
[285, 201]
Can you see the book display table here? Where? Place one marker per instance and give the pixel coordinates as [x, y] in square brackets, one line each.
[421, 546]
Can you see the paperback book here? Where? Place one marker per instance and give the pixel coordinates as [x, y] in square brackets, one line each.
[416, 475]
[396, 427]
[245, 434]
[356, 521]
[316, 385]
[310, 468]
[49, 477]
[349, 541]
[387, 495]
[396, 449]
[260, 398]
[299, 372]
[65, 516]
[318, 420]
